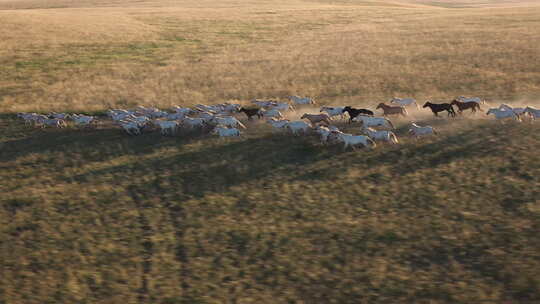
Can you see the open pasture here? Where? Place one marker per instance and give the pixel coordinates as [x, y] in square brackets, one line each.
[88, 57]
[97, 216]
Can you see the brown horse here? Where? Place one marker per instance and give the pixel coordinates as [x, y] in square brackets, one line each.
[465, 105]
[251, 112]
[390, 110]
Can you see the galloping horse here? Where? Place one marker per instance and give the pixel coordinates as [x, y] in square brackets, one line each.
[251, 112]
[390, 110]
[439, 107]
[355, 112]
[465, 105]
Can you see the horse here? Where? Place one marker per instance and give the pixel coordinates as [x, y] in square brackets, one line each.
[519, 111]
[390, 110]
[535, 113]
[382, 135]
[503, 114]
[404, 101]
[333, 111]
[355, 140]
[251, 112]
[317, 118]
[355, 112]
[301, 100]
[368, 121]
[439, 107]
[465, 105]
[418, 131]
[478, 100]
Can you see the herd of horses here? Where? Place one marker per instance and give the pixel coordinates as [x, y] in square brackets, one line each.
[436, 108]
[220, 117]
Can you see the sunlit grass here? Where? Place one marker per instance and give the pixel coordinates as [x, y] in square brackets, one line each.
[96, 216]
[96, 58]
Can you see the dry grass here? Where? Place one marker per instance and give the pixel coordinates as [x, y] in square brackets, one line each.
[96, 217]
[163, 54]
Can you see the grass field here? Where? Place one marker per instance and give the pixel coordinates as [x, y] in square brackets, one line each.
[95, 216]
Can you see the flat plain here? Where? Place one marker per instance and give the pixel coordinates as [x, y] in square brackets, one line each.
[96, 216]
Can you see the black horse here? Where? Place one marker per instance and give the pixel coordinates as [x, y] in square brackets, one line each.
[251, 112]
[439, 107]
[355, 112]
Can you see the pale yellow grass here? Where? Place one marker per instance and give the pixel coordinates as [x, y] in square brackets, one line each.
[477, 3]
[164, 53]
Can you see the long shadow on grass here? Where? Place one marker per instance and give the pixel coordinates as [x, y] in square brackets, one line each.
[216, 167]
[94, 144]
[426, 153]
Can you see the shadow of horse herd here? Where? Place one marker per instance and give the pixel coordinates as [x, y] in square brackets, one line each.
[223, 119]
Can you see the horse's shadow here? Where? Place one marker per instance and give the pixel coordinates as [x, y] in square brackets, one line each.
[218, 166]
[412, 156]
[99, 144]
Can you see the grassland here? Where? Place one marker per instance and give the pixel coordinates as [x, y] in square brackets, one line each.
[92, 58]
[94, 216]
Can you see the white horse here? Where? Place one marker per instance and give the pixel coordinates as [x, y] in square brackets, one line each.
[368, 121]
[355, 140]
[535, 113]
[298, 126]
[301, 100]
[382, 135]
[223, 131]
[518, 111]
[83, 120]
[478, 100]
[131, 127]
[404, 101]
[278, 124]
[273, 113]
[333, 111]
[324, 132]
[167, 126]
[228, 121]
[280, 106]
[503, 114]
[193, 122]
[418, 131]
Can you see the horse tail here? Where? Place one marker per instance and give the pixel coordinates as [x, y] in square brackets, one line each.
[393, 137]
[372, 142]
[241, 125]
[389, 122]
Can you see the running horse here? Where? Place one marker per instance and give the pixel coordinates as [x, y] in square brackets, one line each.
[439, 107]
[390, 110]
[355, 112]
[466, 105]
